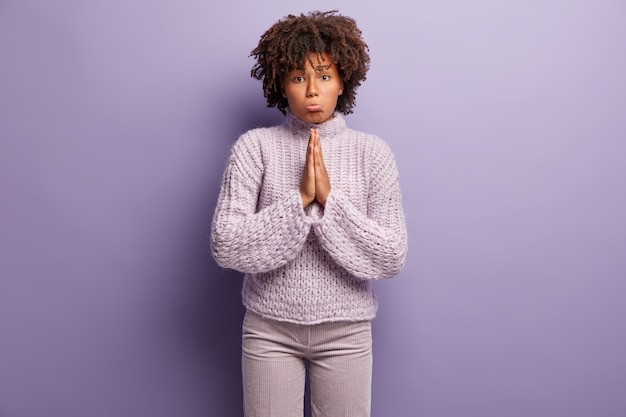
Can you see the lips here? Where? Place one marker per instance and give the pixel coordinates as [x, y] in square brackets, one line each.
[313, 107]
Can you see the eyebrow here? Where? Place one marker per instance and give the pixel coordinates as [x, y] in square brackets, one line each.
[317, 69]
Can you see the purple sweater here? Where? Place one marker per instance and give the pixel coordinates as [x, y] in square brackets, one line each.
[310, 265]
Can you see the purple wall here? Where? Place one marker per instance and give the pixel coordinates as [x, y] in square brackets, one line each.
[508, 121]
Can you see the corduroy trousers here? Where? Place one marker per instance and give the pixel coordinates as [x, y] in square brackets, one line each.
[274, 355]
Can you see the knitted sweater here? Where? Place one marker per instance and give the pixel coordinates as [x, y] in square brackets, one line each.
[310, 265]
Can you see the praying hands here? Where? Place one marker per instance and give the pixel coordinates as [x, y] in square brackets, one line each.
[315, 184]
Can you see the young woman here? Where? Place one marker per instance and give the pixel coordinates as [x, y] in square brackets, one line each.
[310, 211]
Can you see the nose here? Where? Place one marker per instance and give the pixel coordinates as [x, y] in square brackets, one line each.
[311, 90]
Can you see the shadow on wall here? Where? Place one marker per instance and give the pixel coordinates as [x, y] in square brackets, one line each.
[225, 314]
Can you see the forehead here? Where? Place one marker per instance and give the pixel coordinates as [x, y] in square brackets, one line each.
[318, 62]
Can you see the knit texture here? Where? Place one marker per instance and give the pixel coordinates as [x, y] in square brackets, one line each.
[310, 265]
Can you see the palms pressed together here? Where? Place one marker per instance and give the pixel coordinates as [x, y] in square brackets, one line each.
[315, 185]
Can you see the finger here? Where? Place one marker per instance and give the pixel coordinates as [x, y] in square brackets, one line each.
[316, 139]
[319, 155]
[312, 139]
[307, 182]
[312, 142]
[319, 151]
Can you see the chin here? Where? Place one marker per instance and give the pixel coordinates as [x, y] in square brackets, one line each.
[319, 118]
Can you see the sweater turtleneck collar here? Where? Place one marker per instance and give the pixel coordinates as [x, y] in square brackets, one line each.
[327, 129]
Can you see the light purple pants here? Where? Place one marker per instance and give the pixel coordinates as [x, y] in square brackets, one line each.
[273, 364]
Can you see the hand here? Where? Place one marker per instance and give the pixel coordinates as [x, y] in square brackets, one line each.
[307, 183]
[315, 184]
[322, 182]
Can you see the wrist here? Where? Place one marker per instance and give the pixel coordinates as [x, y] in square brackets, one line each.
[306, 200]
[323, 199]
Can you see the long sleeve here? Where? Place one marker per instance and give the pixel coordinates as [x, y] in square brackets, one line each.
[369, 245]
[316, 264]
[248, 240]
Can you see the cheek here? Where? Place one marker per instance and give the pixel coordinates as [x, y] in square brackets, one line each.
[290, 92]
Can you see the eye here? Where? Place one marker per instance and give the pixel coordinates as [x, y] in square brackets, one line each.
[298, 79]
[325, 77]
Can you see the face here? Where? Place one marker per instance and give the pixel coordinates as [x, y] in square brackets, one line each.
[312, 92]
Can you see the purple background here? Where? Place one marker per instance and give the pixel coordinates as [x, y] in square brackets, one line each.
[508, 120]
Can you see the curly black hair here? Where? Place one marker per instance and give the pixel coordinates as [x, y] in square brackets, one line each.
[285, 46]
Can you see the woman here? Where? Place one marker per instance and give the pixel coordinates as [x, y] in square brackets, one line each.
[309, 229]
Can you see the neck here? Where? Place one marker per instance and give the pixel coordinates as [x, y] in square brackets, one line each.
[327, 129]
